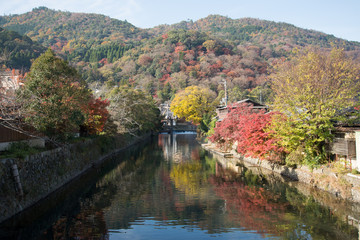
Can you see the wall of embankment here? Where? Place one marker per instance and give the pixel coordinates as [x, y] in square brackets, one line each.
[23, 182]
[345, 186]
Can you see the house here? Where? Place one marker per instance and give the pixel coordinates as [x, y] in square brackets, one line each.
[167, 114]
[222, 111]
[9, 136]
[344, 144]
[10, 80]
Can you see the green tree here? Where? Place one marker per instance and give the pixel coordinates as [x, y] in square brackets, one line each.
[53, 96]
[193, 103]
[311, 90]
[165, 93]
[133, 111]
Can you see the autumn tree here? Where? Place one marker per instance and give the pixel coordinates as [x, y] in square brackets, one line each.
[311, 90]
[247, 128]
[133, 111]
[96, 115]
[193, 103]
[53, 96]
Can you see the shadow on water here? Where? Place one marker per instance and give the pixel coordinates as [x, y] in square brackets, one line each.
[171, 188]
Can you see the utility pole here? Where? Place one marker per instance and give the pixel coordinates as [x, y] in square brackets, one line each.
[225, 88]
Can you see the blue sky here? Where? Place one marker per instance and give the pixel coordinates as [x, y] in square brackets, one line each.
[338, 17]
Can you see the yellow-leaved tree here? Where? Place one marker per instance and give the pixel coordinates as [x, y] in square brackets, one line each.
[193, 103]
[312, 91]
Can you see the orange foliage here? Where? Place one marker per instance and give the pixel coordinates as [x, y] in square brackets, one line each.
[97, 115]
[179, 48]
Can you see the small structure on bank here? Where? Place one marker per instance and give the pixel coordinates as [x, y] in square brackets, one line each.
[344, 145]
[222, 111]
[9, 136]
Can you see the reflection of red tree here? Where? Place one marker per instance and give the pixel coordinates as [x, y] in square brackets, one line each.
[254, 208]
[195, 154]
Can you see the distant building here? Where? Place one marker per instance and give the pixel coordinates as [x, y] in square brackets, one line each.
[222, 111]
[10, 80]
[167, 114]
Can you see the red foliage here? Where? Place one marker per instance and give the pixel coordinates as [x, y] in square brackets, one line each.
[97, 115]
[192, 62]
[164, 36]
[103, 61]
[145, 60]
[165, 77]
[247, 127]
[179, 48]
[231, 74]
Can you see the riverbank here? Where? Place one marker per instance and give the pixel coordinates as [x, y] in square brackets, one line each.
[342, 185]
[24, 182]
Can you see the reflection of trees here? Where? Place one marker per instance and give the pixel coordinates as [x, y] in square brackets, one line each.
[88, 224]
[254, 208]
[254, 204]
[311, 213]
[141, 185]
[188, 177]
[192, 177]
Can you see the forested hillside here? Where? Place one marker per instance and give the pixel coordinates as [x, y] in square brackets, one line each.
[257, 31]
[167, 58]
[17, 51]
[79, 36]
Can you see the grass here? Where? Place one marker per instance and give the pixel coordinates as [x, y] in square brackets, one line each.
[20, 150]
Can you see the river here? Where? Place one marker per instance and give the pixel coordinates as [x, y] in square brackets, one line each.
[170, 188]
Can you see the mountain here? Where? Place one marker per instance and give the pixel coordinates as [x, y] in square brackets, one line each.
[258, 31]
[167, 58]
[17, 51]
[65, 29]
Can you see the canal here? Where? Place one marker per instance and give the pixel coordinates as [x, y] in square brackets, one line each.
[170, 188]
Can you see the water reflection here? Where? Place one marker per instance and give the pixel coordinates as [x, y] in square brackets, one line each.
[172, 189]
[179, 147]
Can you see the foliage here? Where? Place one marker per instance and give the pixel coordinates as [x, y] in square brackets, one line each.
[207, 123]
[192, 104]
[166, 93]
[20, 150]
[65, 29]
[189, 53]
[110, 52]
[17, 51]
[311, 90]
[96, 115]
[53, 96]
[246, 127]
[133, 110]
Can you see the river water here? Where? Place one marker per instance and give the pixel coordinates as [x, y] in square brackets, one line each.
[170, 188]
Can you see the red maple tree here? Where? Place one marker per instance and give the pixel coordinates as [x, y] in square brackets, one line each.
[248, 128]
[97, 115]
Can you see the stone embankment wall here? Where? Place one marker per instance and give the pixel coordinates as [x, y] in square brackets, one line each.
[23, 182]
[345, 186]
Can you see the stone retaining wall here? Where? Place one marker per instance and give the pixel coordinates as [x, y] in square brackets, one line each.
[23, 182]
